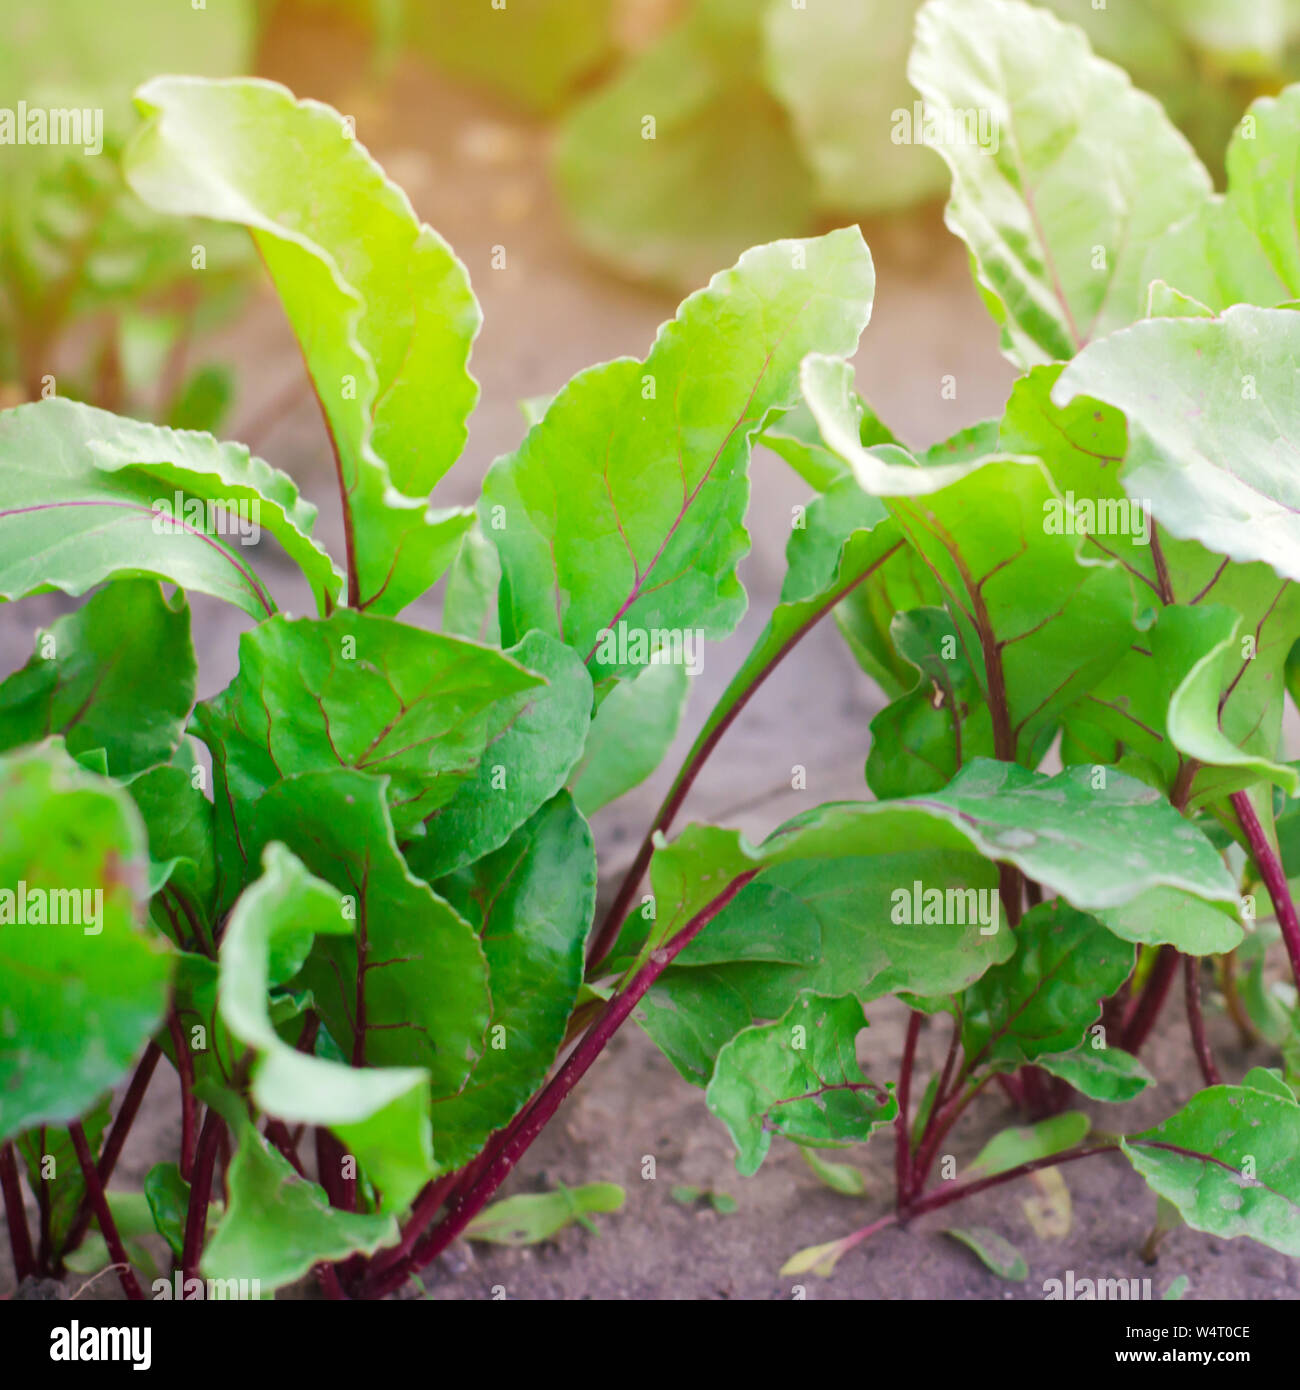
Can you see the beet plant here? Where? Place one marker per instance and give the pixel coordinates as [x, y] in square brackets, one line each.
[362, 927]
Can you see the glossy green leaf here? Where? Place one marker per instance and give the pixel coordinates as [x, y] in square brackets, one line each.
[1105, 1073]
[1056, 269]
[354, 691]
[278, 1225]
[798, 1077]
[410, 988]
[1229, 1160]
[523, 765]
[168, 1195]
[531, 1218]
[86, 496]
[118, 674]
[531, 904]
[78, 997]
[1038, 627]
[1047, 996]
[381, 1114]
[631, 732]
[622, 513]
[685, 158]
[380, 305]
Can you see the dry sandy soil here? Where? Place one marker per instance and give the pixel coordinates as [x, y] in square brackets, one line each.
[477, 173]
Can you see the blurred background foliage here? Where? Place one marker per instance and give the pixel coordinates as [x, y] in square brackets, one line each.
[768, 118]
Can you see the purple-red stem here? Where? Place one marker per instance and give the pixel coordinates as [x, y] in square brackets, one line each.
[196, 1218]
[20, 1241]
[99, 1205]
[1196, 1020]
[189, 1109]
[1274, 876]
[1146, 1009]
[902, 1135]
[530, 1123]
[116, 1140]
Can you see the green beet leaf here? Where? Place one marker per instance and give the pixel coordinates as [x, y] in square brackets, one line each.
[531, 1218]
[78, 997]
[622, 513]
[119, 674]
[381, 1114]
[531, 903]
[1026, 115]
[1027, 1143]
[1230, 1162]
[381, 306]
[995, 1252]
[798, 1077]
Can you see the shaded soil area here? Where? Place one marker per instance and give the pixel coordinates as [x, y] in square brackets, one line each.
[478, 173]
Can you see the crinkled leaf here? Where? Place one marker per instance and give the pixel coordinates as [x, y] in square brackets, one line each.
[278, 1225]
[380, 1113]
[380, 304]
[78, 492]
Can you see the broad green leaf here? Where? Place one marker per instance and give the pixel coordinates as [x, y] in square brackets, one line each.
[531, 1218]
[1268, 1079]
[1229, 1160]
[531, 903]
[168, 1195]
[356, 691]
[1190, 690]
[118, 674]
[410, 988]
[1239, 247]
[86, 496]
[81, 995]
[920, 740]
[838, 68]
[532, 56]
[523, 765]
[1026, 1143]
[794, 436]
[380, 305]
[1210, 424]
[623, 511]
[995, 1252]
[839, 1177]
[630, 733]
[380, 1114]
[1038, 627]
[798, 1077]
[685, 158]
[1025, 115]
[278, 1225]
[1163, 915]
[1046, 997]
[1106, 1073]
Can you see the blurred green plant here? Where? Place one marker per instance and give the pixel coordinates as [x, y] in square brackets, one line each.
[98, 293]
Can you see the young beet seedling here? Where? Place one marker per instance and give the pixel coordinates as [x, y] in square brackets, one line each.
[1109, 569]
